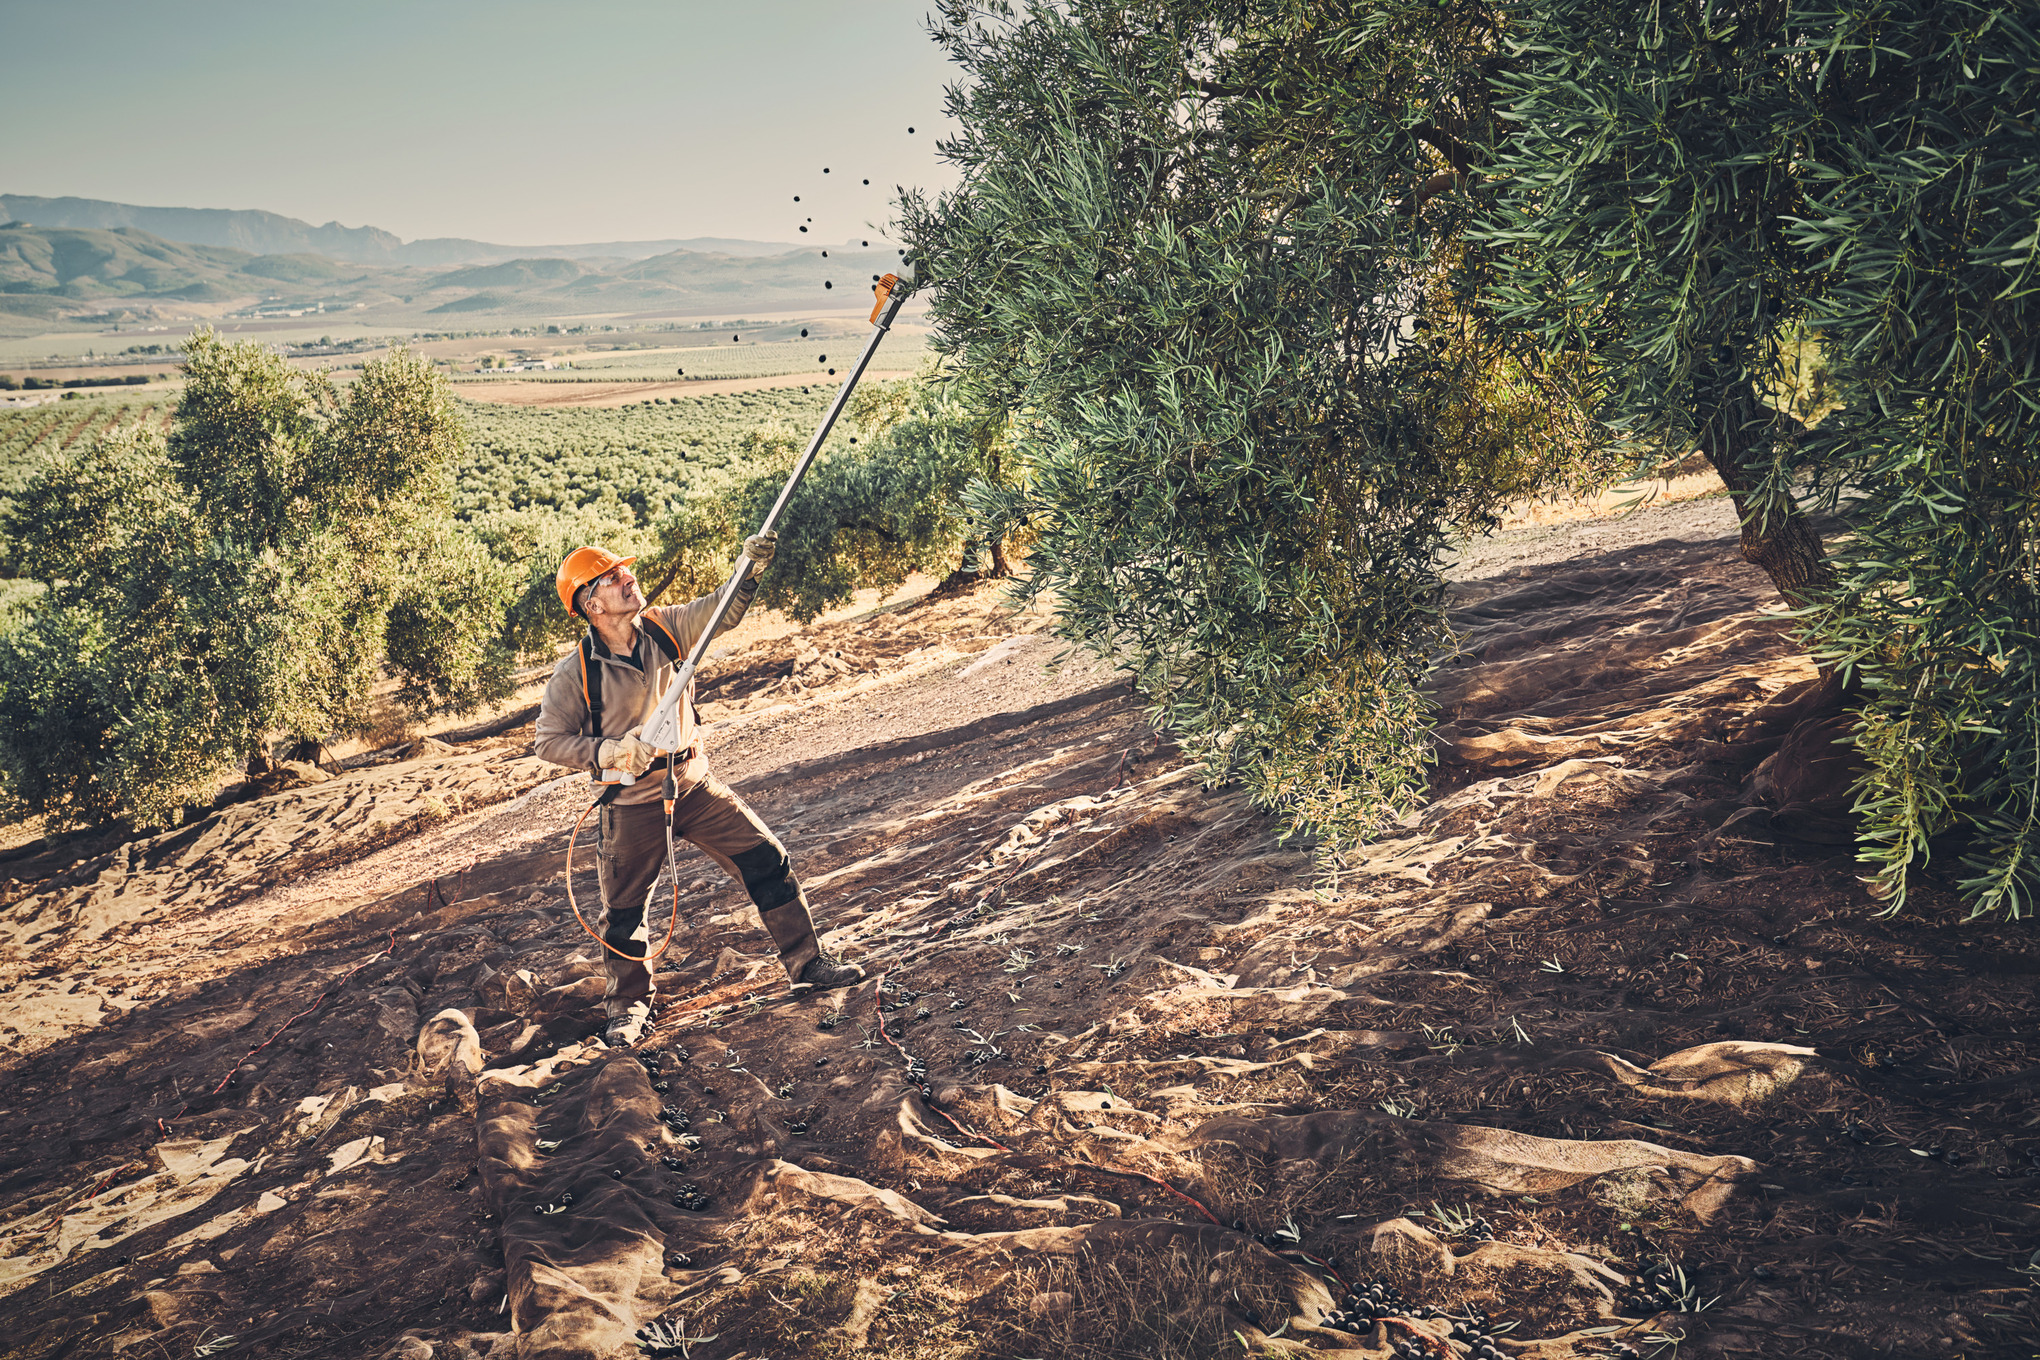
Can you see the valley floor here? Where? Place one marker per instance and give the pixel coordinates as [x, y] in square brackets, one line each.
[1607, 1044]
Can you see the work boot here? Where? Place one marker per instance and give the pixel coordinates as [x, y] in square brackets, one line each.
[621, 1031]
[825, 972]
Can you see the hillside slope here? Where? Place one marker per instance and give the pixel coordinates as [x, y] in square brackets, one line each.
[268, 233]
[119, 263]
[1134, 1080]
[44, 269]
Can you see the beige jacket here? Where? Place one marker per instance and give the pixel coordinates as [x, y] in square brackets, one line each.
[629, 694]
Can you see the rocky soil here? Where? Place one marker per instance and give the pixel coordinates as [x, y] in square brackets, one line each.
[1606, 1051]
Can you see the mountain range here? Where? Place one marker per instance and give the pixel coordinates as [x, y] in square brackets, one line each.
[126, 276]
[268, 233]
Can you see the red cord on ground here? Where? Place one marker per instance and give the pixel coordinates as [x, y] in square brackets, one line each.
[163, 1125]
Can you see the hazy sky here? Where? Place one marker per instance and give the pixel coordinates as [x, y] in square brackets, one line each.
[513, 121]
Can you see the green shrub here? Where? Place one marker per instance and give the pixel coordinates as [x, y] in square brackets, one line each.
[229, 583]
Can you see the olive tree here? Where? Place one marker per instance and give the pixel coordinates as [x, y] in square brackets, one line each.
[1207, 268]
[1923, 210]
[230, 582]
[1685, 188]
[883, 500]
[1647, 166]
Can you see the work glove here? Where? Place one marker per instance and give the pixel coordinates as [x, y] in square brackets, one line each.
[626, 753]
[760, 547]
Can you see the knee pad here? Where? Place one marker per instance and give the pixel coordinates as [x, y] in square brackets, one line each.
[767, 875]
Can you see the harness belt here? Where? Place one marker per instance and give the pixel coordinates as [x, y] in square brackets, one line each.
[591, 692]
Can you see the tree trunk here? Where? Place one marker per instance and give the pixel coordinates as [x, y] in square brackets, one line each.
[1001, 568]
[1776, 535]
[1808, 780]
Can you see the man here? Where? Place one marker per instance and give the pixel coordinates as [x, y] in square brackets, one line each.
[597, 702]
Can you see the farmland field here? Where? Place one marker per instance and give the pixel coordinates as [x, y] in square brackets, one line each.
[519, 457]
[28, 436]
[522, 457]
[747, 360]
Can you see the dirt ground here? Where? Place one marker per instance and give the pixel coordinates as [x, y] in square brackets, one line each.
[1605, 1052]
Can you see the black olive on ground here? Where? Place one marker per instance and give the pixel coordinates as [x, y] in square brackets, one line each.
[616, 1173]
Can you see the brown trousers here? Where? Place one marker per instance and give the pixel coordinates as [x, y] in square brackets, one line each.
[631, 841]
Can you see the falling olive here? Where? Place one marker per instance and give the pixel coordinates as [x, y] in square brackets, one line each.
[803, 332]
[909, 129]
[803, 228]
[827, 284]
[796, 198]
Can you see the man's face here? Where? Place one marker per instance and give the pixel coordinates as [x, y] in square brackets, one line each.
[616, 593]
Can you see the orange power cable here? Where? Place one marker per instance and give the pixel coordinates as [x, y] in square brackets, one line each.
[672, 925]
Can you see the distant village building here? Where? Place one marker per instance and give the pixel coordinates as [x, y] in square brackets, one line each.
[527, 365]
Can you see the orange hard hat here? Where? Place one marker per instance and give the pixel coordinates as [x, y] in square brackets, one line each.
[582, 566]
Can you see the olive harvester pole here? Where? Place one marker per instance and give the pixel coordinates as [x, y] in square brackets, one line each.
[670, 729]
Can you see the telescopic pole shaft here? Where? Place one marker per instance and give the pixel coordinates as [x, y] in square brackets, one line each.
[880, 325]
[663, 731]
